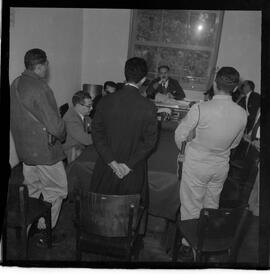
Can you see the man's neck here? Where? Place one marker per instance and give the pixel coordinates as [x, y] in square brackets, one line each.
[220, 92]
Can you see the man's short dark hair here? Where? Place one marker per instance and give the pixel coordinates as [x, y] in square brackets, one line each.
[135, 69]
[109, 84]
[163, 66]
[34, 57]
[79, 96]
[227, 79]
[251, 84]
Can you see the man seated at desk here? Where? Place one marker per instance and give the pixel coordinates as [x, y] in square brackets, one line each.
[77, 123]
[165, 85]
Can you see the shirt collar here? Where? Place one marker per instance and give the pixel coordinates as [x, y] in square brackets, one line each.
[223, 96]
[248, 94]
[82, 117]
[131, 84]
[31, 74]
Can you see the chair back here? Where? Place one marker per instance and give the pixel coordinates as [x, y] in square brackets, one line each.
[63, 109]
[17, 202]
[221, 224]
[108, 215]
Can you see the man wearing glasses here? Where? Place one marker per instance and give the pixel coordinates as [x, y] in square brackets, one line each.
[77, 123]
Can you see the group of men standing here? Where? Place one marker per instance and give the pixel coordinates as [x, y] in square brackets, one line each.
[124, 131]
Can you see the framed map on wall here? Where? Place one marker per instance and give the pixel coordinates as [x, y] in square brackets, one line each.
[185, 40]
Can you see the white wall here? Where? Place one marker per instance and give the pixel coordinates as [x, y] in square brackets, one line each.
[105, 45]
[58, 31]
[240, 44]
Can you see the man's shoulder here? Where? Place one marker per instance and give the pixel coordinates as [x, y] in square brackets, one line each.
[173, 81]
[255, 95]
[70, 115]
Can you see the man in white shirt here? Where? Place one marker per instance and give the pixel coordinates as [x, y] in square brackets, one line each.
[219, 125]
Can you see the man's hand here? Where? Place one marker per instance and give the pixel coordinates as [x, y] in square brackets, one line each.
[155, 85]
[169, 95]
[124, 168]
[120, 169]
[116, 169]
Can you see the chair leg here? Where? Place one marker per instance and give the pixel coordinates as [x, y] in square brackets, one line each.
[176, 244]
[78, 255]
[24, 244]
[78, 245]
[18, 233]
[48, 220]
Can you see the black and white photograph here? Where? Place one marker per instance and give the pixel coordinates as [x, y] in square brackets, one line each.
[132, 137]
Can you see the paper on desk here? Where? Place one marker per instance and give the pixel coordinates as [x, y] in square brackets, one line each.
[163, 99]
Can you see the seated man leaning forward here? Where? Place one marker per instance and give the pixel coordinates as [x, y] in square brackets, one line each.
[165, 85]
[77, 123]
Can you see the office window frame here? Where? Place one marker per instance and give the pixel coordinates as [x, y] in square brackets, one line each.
[188, 52]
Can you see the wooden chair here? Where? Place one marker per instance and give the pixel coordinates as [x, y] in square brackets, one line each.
[108, 225]
[216, 231]
[23, 211]
[63, 109]
[241, 178]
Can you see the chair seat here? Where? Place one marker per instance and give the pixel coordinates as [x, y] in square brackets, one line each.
[36, 208]
[189, 229]
[119, 246]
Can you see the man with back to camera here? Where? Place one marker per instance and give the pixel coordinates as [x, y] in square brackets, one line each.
[165, 85]
[76, 120]
[219, 125]
[124, 132]
[38, 131]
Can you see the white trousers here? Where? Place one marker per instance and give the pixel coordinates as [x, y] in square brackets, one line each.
[51, 181]
[203, 176]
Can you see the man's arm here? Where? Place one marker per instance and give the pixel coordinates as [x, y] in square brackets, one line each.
[152, 89]
[100, 138]
[238, 138]
[44, 108]
[179, 94]
[187, 124]
[76, 131]
[148, 141]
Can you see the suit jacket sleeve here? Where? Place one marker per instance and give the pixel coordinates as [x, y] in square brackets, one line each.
[150, 91]
[148, 140]
[76, 131]
[253, 107]
[44, 108]
[100, 137]
[180, 94]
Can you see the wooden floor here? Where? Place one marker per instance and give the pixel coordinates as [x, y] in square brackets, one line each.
[156, 251]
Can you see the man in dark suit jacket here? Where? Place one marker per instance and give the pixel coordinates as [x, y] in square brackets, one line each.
[250, 101]
[165, 85]
[124, 132]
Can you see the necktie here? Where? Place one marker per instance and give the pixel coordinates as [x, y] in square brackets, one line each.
[86, 124]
